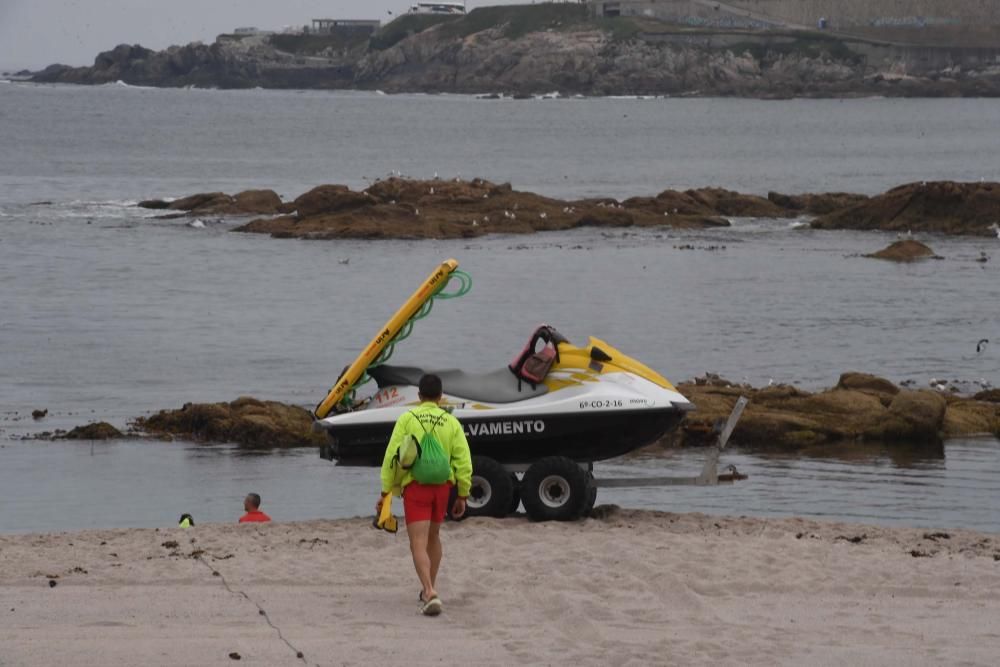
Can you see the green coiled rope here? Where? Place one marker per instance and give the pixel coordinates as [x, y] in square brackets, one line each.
[404, 332]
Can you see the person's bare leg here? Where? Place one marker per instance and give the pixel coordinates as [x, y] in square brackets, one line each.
[418, 533]
[434, 551]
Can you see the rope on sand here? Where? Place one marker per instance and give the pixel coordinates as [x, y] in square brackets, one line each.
[260, 610]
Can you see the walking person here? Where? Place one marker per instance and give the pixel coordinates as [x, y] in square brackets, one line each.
[425, 504]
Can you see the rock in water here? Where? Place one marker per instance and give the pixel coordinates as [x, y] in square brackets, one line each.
[816, 204]
[931, 206]
[868, 383]
[904, 251]
[95, 431]
[861, 407]
[989, 395]
[330, 199]
[202, 201]
[245, 421]
[257, 201]
[916, 415]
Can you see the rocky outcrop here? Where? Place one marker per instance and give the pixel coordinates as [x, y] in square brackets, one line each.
[860, 408]
[904, 251]
[931, 206]
[196, 64]
[245, 421]
[401, 208]
[534, 49]
[404, 208]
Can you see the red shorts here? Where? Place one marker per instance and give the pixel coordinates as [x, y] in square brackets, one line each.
[423, 502]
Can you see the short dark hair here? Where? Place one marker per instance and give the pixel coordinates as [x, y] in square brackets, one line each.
[430, 386]
[254, 500]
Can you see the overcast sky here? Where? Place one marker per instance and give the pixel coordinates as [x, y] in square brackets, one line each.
[36, 33]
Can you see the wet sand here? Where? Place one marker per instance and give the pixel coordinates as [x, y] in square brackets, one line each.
[635, 588]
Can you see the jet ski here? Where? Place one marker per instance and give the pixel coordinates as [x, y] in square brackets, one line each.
[555, 402]
[593, 403]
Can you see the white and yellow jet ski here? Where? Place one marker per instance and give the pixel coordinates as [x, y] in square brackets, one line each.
[556, 408]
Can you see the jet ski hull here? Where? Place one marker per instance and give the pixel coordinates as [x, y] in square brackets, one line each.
[521, 439]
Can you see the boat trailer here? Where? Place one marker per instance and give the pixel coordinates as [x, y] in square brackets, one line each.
[710, 470]
[548, 486]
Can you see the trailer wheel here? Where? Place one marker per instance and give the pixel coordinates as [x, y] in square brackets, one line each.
[554, 489]
[591, 496]
[492, 490]
[515, 497]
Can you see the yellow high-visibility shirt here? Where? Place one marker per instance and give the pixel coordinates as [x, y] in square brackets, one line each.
[449, 433]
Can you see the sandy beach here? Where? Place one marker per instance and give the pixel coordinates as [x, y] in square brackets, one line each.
[633, 588]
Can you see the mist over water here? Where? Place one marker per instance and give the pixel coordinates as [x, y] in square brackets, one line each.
[108, 313]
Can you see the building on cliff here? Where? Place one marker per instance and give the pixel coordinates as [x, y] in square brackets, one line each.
[330, 26]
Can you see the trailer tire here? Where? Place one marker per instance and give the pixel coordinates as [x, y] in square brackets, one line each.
[554, 489]
[588, 506]
[492, 489]
[515, 497]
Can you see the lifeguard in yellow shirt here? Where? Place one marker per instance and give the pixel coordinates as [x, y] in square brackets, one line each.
[425, 504]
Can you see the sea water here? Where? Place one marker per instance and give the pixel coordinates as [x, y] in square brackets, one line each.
[109, 313]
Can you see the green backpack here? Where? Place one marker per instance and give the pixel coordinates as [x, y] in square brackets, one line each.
[425, 459]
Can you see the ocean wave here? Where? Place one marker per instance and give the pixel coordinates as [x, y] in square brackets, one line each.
[82, 209]
[113, 203]
[122, 84]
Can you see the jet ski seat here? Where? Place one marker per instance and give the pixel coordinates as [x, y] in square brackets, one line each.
[495, 387]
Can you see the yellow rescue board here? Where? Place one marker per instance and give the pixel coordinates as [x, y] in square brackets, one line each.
[386, 334]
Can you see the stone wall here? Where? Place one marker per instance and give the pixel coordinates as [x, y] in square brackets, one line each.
[930, 22]
[878, 13]
[690, 13]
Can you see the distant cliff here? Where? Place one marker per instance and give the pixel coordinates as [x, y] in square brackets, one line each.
[534, 49]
